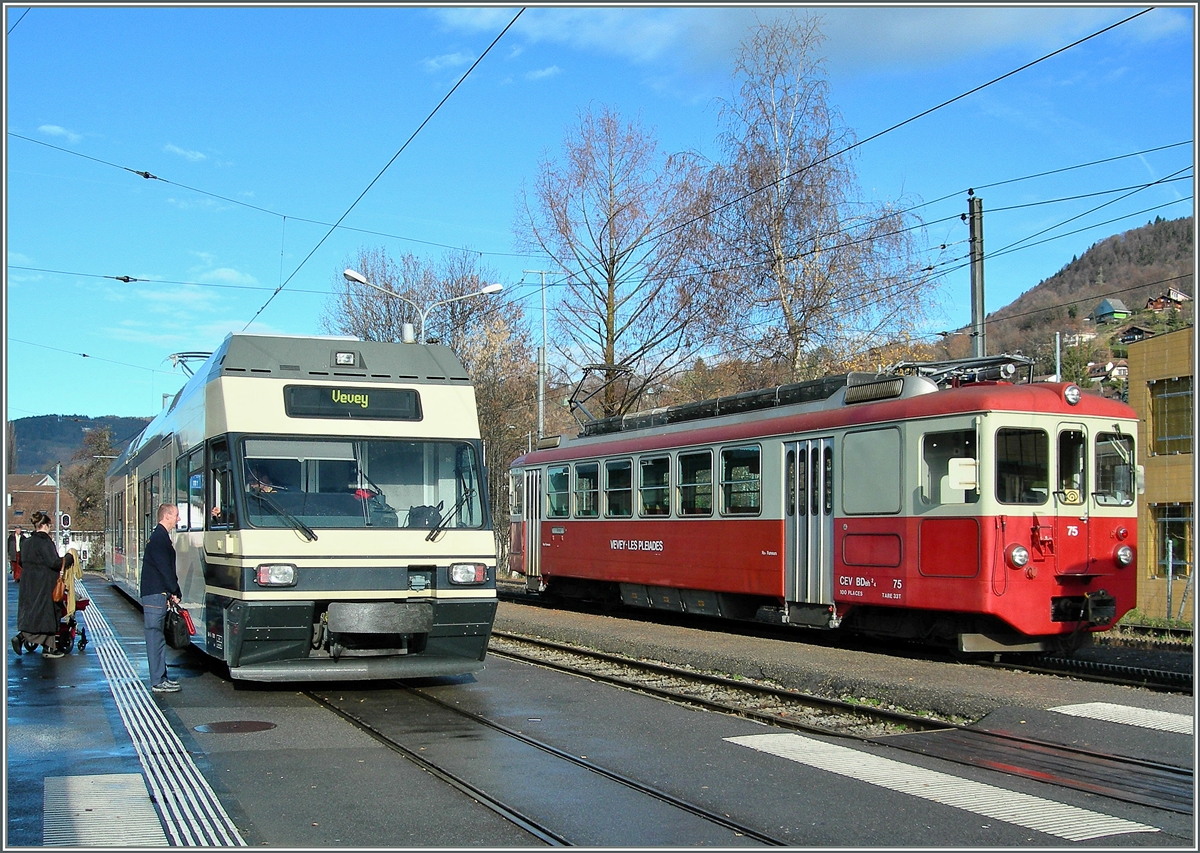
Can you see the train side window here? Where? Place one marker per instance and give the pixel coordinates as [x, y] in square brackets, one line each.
[937, 449]
[695, 483]
[654, 474]
[1022, 466]
[181, 492]
[1115, 475]
[741, 485]
[871, 462]
[587, 489]
[558, 496]
[195, 499]
[618, 488]
[516, 495]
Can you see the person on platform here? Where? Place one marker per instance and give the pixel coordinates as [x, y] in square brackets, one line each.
[16, 541]
[160, 584]
[38, 614]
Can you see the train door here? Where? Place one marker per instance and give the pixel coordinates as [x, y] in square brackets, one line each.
[533, 529]
[808, 518]
[1070, 501]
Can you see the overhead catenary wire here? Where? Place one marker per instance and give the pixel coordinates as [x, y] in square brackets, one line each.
[361, 195]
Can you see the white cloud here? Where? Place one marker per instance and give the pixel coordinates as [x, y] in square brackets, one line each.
[55, 130]
[17, 259]
[225, 275]
[552, 71]
[858, 38]
[446, 60]
[192, 156]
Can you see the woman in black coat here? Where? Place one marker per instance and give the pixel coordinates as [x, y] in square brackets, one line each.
[37, 614]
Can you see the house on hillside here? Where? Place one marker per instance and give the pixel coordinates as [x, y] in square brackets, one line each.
[28, 493]
[1111, 311]
[1172, 299]
[1134, 334]
[1076, 338]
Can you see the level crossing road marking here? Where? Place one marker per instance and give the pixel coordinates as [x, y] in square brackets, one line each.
[191, 812]
[1162, 721]
[1069, 822]
[108, 810]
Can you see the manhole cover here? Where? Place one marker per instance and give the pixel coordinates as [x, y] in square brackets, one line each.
[235, 727]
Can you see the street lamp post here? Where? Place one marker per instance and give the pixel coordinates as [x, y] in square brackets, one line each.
[351, 275]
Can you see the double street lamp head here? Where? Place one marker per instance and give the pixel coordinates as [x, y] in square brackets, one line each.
[359, 278]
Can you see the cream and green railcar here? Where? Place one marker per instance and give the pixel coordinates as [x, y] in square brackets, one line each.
[333, 520]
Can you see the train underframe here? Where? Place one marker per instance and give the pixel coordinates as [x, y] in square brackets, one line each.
[347, 640]
[964, 633]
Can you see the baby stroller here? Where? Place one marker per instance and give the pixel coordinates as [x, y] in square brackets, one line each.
[70, 628]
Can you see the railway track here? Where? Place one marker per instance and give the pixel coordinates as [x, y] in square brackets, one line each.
[1149, 677]
[1101, 671]
[537, 826]
[1119, 777]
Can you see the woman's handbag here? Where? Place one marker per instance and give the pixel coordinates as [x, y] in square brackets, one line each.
[177, 627]
[59, 593]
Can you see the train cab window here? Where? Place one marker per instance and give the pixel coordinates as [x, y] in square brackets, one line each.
[695, 483]
[654, 486]
[220, 476]
[587, 489]
[1115, 475]
[937, 449]
[558, 495]
[618, 488]
[741, 486]
[1022, 466]
[1072, 467]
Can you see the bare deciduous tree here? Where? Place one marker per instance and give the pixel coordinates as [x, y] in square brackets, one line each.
[812, 275]
[619, 218]
[84, 479]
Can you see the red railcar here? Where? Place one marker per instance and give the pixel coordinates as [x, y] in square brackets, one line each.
[930, 502]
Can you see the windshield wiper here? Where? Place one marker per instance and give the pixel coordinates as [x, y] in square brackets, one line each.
[296, 523]
[445, 519]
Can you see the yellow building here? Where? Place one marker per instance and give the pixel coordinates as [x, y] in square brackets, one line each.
[1161, 370]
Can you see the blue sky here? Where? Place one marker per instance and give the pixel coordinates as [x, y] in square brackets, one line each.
[260, 118]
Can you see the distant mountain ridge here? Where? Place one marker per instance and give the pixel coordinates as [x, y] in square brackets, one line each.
[43, 440]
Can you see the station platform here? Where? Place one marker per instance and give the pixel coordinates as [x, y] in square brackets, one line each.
[90, 758]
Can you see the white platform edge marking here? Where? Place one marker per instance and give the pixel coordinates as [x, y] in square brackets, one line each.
[1064, 821]
[1162, 721]
[191, 812]
[109, 810]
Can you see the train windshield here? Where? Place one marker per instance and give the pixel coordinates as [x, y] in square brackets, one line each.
[339, 483]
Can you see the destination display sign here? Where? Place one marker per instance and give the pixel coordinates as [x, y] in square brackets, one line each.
[323, 401]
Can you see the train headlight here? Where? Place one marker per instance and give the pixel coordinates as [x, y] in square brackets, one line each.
[1123, 555]
[1017, 556]
[275, 574]
[1072, 394]
[461, 573]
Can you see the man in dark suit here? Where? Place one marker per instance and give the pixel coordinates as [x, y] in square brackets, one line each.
[160, 583]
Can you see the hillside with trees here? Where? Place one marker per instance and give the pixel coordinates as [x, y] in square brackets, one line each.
[1134, 267]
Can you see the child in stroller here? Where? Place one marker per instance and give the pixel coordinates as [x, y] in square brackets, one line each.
[71, 628]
